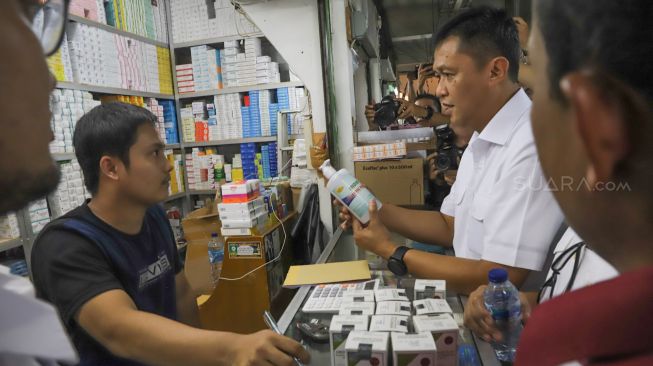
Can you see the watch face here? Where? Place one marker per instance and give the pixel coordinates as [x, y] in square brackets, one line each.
[397, 267]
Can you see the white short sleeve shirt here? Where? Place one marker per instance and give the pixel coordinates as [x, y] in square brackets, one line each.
[504, 212]
[591, 268]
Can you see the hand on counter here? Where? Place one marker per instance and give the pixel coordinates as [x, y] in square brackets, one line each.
[374, 237]
[266, 348]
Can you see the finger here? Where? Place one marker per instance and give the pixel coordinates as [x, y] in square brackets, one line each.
[292, 348]
[371, 207]
[356, 226]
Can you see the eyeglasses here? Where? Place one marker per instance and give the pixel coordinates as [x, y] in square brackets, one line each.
[575, 251]
[48, 21]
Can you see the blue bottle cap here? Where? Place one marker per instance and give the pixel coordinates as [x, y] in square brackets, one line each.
[214, 235]
[497, 275]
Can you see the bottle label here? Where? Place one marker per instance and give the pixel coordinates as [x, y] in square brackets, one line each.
[352, 193]
[216, 255]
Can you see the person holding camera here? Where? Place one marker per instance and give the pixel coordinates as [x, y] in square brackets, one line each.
[424, 110]
[497, 214]
[443, 164]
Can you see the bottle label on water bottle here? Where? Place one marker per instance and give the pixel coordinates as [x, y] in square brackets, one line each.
[216, 255]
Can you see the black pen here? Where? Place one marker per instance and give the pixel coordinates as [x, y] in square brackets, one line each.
[269, 320]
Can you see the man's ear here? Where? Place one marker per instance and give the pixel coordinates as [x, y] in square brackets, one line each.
[109, 167]
[499, 69]
[600, 123]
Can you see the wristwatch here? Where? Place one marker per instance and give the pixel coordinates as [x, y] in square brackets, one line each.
[396, 261]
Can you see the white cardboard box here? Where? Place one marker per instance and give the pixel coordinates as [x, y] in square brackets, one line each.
[432, 306]
[444, 330]
[393, 308]
[341, 326]
[413, 349]
[357, 296]
[435, 289]
[367, 348]
[389, 323]
[391, 294]
[357, 308]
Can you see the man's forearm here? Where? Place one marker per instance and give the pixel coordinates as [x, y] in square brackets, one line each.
[462, 275]
[429, 227]
[155, 340]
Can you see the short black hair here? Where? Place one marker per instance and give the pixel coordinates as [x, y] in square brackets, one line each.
[613, 36]
[108, 129]
[484, 33]
[433, 98]
[612, 39]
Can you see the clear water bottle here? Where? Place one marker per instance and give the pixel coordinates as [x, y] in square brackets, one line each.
[216, 257]
[502, 301]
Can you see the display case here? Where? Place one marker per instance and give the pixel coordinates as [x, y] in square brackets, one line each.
[471, 350]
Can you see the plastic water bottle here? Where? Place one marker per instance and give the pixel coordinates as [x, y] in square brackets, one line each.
[502, 301]
[216, 257]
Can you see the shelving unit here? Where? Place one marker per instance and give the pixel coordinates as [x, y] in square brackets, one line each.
[63, 156]
[107, 90]
[240, 89]
[181, 199]
[214, 40]
[108, 28]
[6, 244]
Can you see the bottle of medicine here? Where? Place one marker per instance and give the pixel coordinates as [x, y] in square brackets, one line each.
[349, 191]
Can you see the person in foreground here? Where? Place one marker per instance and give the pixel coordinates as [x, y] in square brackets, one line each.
[111, 266]
[593, 125]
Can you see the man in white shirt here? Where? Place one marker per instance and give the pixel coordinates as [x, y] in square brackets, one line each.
[574, 266]
[498, 213]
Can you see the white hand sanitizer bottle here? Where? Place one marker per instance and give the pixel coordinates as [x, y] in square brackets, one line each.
[349, 191]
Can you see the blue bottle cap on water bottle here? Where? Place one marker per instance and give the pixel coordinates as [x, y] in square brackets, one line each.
[497, 275]
[214, 235]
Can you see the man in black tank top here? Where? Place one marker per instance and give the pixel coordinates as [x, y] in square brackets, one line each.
[111, 266]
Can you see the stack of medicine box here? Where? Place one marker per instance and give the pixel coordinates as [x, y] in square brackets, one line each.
[375, 317]
[254, 115]
[267, 71]
[246, 121]
[248, 156]
[9, 228]
[39, 215]
[151, 61]
[59, 63]
[66, 107]
[205, 67]
[242, 208]
[237, 168]
[212, 122]
[177, 172]
[273, 112]
[264, 112]
[185, 81]
[229, 115]
[71, 191]
[89, 9]
[110, 68]
[190, 20]
[201, 124]
[187, 124]
[164, 110]
[165, 74]
[153, 106]
[144, 18]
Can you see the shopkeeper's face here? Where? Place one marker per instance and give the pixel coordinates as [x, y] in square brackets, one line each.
[462, 86]
[147, 178]
[27, 171]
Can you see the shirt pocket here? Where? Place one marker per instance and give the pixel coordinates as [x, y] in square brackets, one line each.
[480, 206]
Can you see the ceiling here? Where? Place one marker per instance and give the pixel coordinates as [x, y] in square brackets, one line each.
[411, 24]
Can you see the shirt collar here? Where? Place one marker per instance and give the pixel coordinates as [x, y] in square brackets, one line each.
[500, 127]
